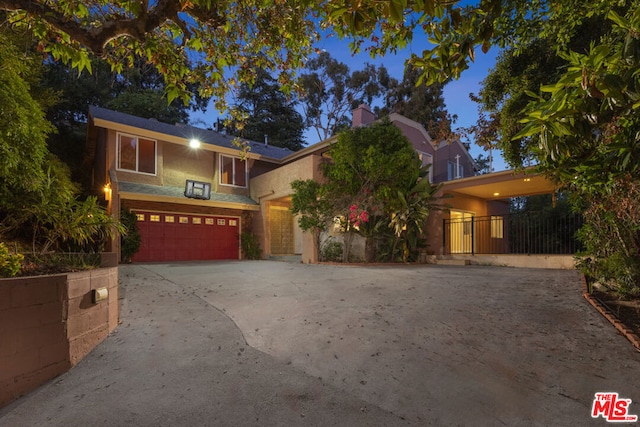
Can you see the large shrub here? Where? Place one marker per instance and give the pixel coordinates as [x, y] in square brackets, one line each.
[611, 235]
[130, 243]
[250, 246]
[9, 263]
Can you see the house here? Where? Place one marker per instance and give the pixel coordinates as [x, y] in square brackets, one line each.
[193, 202]
[189, 187]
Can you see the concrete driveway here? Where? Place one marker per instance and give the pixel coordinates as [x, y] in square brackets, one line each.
[271, 343]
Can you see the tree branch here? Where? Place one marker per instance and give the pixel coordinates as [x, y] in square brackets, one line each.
[95, 38]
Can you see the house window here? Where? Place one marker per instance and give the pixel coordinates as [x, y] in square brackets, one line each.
[497, 227]
[233, 171]
[455, 171]
[154, 218]
[196, 220]
[136, 154]
[168, 218]
[427, 159]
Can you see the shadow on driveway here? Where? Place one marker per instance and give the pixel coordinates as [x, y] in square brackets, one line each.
[270, 343]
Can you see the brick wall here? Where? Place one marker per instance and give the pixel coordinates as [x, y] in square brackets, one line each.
[49, 323]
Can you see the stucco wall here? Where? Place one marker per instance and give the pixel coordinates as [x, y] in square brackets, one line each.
[275, 187]
[181, 163]
[49, 323]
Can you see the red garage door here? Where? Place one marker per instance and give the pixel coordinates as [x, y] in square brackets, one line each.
[183, 237]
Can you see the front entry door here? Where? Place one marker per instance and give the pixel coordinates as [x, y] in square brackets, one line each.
[281, 230]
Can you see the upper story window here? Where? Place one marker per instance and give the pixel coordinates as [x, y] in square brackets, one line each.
[455, 170]
[136, 154]
[233, 171]
[427, 159]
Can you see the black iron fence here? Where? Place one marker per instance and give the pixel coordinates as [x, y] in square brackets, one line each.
[521, 233]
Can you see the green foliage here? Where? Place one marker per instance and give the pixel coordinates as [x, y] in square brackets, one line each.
[23, 127]
[250, 246]
[188, 43]
[332, 251]
[270, 113]
[611, 236]
[410, 215]
[421, 103]
[374, 182]
[54, 215]
[130, 240]
[369, 165]
[313, 208]
[9, 263]
[329, 91]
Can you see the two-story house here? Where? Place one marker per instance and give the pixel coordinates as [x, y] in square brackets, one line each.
[189, 187]
[194, 191]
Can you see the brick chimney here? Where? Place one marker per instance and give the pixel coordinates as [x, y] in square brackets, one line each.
[362, 116]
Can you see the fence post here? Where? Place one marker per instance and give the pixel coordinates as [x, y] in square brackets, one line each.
[444, 236]
[473, 240]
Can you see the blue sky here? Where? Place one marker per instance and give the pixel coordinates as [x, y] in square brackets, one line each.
[456, 93]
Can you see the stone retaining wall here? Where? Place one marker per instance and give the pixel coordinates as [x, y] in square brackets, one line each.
[49, 323]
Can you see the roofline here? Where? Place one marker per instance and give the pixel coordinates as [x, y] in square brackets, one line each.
[120, 127]
[310, 149]
[462, 182]
[125, 195]
[407, 121]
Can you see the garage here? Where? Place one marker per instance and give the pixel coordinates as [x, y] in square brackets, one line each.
[169, 236]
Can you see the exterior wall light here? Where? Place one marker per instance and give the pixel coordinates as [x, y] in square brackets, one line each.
[194, 143]
[107, 192]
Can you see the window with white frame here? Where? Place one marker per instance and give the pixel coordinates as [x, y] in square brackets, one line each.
[136, 154]
[233, 171]
[427, 159]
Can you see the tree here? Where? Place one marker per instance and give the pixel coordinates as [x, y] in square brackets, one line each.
[369, 167]
[270, 114]
[329, 91]
[37, 197]
[422, 103]
[314, 209]
[138, 90]
[187, 42]
[414, 205]
[484, 163]
[588, 128]
[23, 126]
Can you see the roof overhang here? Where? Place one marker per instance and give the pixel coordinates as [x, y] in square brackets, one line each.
[501, 185]
[193, 202]
[120, 127]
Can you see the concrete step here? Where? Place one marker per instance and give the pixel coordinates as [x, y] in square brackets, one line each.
[453, 262]
[286, 258]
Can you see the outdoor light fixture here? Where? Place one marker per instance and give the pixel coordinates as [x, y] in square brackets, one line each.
[194, 143]
[197, 190]
[99, 294]
[107, 191]
[496, 194]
